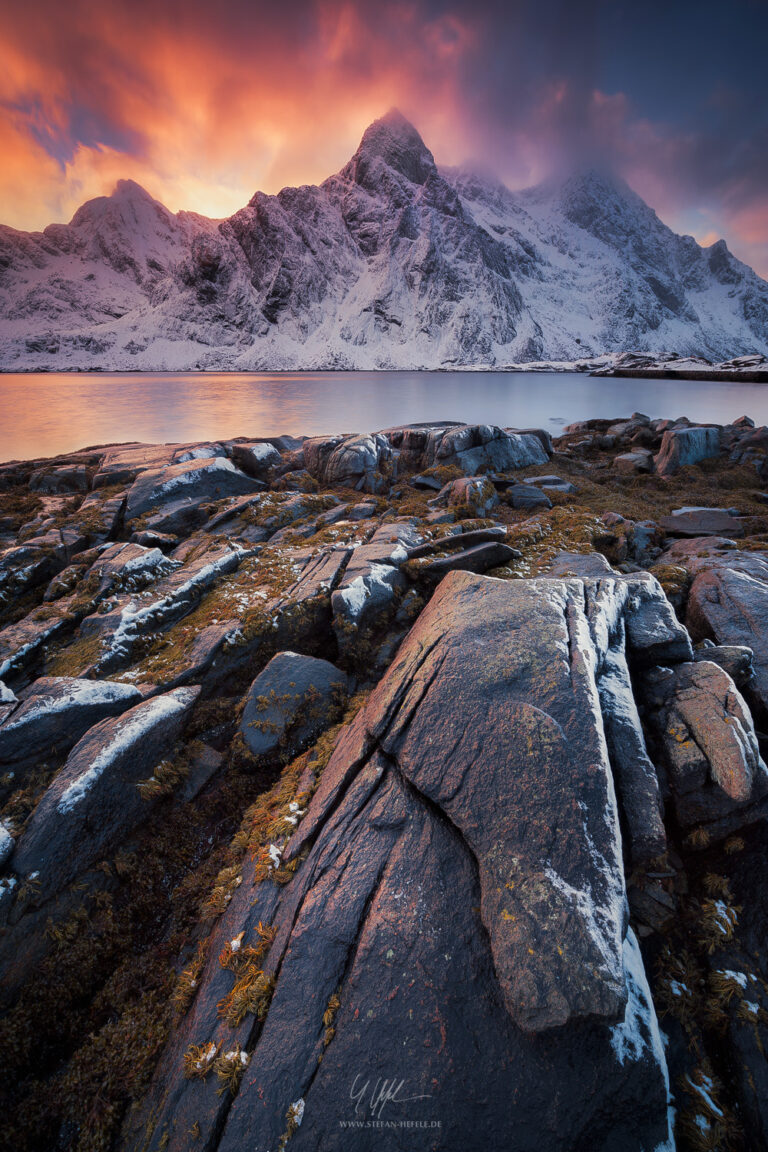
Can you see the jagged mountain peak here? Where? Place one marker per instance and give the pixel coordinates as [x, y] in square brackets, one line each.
[390, 263]
[393, 141]
[127, 200]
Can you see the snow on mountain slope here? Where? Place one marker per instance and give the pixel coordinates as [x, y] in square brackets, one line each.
[391, 263]
[604, 274]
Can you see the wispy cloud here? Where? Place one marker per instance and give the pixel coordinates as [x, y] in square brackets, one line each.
[203, 104]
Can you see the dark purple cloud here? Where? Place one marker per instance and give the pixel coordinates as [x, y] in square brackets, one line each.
[203, 103]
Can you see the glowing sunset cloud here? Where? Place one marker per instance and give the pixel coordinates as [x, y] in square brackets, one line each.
[204, 104]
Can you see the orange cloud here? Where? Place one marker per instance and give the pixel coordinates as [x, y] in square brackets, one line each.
[202, 121]
[204, 103]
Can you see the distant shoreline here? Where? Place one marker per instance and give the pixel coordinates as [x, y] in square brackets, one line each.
[717, 375]
[758, 376]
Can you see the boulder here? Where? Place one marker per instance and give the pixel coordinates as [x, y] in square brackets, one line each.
[348, 461]
[654, 634]
[94, 800]
[702, 522]
[290, 703]
[55, 712]
[632, 462]
[707, 740]
[553, 483]
[460, 877]
[22, 644]
[478, 447]
[425, 483]
[579, 564]
[474, 495]
[258, 459]
[254, 519]
[735, 659]
[128, 567]
[100, 518]
[123, 463]
[26, 566]
[633, 770]
[150, 539]
[65, 478]
[683, 446]
[367, 594]
[185, 486]
[131, 616]
[527, 497]
[728, 602]
[478, 558]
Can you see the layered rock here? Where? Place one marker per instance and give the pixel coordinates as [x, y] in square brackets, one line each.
[55, 713]
[683, 446]
[447, 880]
[94, 800]
[728, 602]
[708, 745]
[181, 488]
[464, 877]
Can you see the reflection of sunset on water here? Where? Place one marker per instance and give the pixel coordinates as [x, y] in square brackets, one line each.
[55, 412]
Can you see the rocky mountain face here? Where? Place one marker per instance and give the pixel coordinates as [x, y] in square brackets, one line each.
[391, 263]
[392, 789]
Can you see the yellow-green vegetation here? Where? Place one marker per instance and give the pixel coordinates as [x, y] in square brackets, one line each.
[21, 802]
[227, 880]
[229, 1068]
[253, 988]
[706, 996]
[675, 581]
[717, 923]
[81, 1038]
[75, 658]
[704, 1123]
[277, 509]
[247, 600]
[199, 1060]
[171, 772]
[189, 980]
[540, 537]
[293, 1117]
[313, 708]
[251, 993]
[329, 1017]
[18, 506]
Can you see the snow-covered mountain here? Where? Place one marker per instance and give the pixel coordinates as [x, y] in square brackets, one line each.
[391, 263]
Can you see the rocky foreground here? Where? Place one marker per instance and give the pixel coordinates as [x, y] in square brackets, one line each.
[387, 791]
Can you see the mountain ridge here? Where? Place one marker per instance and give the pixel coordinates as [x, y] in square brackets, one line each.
[392, 262]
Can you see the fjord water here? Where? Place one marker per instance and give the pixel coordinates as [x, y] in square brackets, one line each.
[48, 413]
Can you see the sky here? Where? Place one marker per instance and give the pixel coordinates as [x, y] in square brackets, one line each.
[204, 103]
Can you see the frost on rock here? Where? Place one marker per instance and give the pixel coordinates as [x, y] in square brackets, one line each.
[6, 844]
[124, 736]
[296, 1112]
[95, 800]
[638, 1037]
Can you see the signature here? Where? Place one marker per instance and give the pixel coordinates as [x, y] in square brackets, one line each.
[382, 1093]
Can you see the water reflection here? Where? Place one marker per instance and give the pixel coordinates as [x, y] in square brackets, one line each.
[45, 414]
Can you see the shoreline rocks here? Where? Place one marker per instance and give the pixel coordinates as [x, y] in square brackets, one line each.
[432, 779]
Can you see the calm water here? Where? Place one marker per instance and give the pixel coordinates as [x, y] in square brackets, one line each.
[42, 415]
